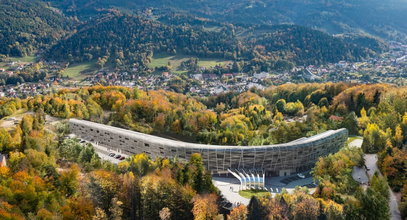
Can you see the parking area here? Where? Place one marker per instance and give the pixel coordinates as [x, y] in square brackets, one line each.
[295, 178]
[104, 152]
[109, 154]
[276, 184]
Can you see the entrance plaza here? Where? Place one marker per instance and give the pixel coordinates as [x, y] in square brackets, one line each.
[231, 185]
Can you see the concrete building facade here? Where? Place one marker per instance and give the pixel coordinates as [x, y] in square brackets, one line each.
[275, 160]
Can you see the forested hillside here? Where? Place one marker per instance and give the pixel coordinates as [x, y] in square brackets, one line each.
[377, 112]
[123, 40]
[381, 18]
[307, 46]
[50, 177]
[28, 25]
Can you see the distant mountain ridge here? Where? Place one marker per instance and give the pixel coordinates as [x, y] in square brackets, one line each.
[385, 19]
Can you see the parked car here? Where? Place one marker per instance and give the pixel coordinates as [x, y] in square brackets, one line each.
[118, 156]
[122, 158]
[300, 175]
[112, 154]
[82, 141]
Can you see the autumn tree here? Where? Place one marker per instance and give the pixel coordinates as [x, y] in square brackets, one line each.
[165, 214]
[255, 210]
[131, 196]
[373, 139]
[68, 180]
[305, 207]
[398, 137]
[238, 213]
[5, 140]
[205, 207]
[350, 122]
[374, 205]
[104, 187]
[200, 179]
[278, 209]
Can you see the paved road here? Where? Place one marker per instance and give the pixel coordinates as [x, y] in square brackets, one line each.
[359, 175]
[104, 152]
[230, 189]
[104, 155]
[371, 164]
[356, 143]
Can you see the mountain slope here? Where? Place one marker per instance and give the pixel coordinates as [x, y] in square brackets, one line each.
[121, 39]
[384, 18]
[125, 39]
[28, 25]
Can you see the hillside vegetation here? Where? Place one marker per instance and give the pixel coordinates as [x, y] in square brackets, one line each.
[380, 18]
[28, 25]
[129, 40]
[378, 112]
[120, 39]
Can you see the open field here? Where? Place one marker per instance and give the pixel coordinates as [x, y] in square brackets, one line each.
[74, 71]
[207, 62]
[9, 122]
[249, 193]
[176, 60]
[26, 59]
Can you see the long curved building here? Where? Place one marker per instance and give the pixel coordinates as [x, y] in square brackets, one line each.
[275, 160]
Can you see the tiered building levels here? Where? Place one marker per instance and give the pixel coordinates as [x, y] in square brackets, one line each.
[274, 160]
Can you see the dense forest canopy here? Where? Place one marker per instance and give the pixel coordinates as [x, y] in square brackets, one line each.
[29, 25]
[38, 158]
[123, 40]
[380, 18]
[51, 177]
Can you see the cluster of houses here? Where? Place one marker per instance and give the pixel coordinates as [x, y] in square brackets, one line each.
[204, 84]
[25, 90]
[11, 67]
[387, 68]
[390, 65]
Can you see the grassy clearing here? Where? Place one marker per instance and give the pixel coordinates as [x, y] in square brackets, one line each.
[207, 63]
[249, 193]
[76, 71]
[26, 59]
[176, 60]
[9, 124]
